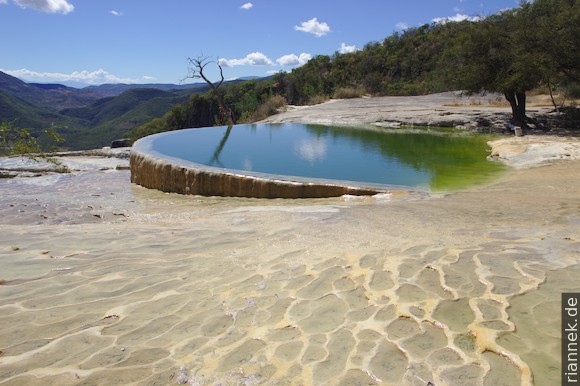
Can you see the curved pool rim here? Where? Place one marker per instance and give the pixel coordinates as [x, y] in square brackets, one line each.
[154, 170]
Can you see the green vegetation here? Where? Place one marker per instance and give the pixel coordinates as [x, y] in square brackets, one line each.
[249, 101]
[20, 141]
[110, 118]
[51, 97]
[518, 50]
[512, 52]
[25, 114]
[86, 118]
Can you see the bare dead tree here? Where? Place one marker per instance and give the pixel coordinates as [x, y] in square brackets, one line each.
[196, 68]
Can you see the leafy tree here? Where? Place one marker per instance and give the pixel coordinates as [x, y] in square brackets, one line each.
[309, 81]
[517, 50]
[157, 125]
[245, 99]
[555, 26]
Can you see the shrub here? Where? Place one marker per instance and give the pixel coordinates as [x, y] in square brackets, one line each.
[157, 125]
[271, 106]
[348, 92]
[317, 99]
[572, 90]
[20, 141]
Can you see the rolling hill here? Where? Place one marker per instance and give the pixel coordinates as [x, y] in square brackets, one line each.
[110, 118]
[53, 97]
[24, 114]
[90, 117]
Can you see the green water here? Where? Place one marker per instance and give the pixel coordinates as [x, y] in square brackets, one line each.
[434, 159]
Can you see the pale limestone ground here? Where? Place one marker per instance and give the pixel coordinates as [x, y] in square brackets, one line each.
[533, 150]
[449, 109]
[104, 282]
[70, 162]
[108, 283]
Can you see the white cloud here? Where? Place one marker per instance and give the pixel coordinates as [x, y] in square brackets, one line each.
[311, 150]
[48, 6]
[247, 6]
[292, 60]
[99, 76]
[402, 26]
[314, 27]
[253, 59]
[344, 49]
[455, 19]
[116, 13]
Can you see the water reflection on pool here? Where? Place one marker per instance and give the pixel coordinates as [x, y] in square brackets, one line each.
[432, 159]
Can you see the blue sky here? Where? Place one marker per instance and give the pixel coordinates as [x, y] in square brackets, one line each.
[149, 41]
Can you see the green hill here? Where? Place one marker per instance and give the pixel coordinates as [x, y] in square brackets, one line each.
[53, 97]
[111, 118]
[110, 108]
[23, 114]
[84, 117]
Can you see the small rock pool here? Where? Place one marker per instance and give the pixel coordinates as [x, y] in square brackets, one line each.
[299, 160]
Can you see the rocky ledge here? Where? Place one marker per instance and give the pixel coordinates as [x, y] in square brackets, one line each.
[481, 113]
[156, 173]
[66, 162]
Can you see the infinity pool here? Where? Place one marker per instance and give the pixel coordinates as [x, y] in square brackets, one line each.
[434, 160]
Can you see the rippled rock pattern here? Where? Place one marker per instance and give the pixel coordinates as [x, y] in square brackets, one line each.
[133, 315]
[214, 291]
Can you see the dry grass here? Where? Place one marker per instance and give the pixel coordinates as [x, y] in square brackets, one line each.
[540, 100]
[349, 93]
[271, 106]
[490, 102]
[535, 99]
[318, 99]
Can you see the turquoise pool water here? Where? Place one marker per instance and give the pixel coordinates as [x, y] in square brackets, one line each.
[426, 159]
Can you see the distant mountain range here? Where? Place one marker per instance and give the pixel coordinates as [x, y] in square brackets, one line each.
[89, 117]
